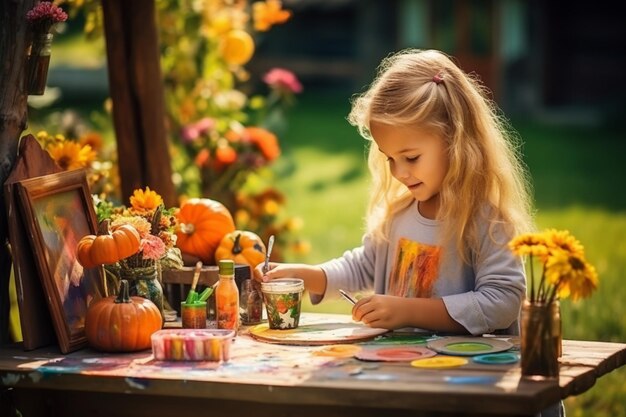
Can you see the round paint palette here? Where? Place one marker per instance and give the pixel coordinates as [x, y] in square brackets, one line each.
[504, 358]
[338, 351]
[395, 354]
[439, 362]
[468, 346]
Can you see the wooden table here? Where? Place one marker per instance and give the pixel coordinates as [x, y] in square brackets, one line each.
[276, 380]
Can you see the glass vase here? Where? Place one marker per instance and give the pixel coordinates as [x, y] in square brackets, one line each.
[38, 63]
[541, 339]
[143, 282]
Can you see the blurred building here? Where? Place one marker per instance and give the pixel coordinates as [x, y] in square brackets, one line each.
[557, 58]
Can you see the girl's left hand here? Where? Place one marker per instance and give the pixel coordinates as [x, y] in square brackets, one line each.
[382, 311]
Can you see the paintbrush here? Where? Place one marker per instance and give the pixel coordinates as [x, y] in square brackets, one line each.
[207, 292]
[193, 295]
[347, 296]
[270, 245]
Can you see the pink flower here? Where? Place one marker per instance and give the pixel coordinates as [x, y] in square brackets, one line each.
[46, 12]
[283, 79]
[193, 131]
[44, 16]
[152, 247]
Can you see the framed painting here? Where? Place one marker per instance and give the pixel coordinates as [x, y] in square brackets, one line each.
[58, 212]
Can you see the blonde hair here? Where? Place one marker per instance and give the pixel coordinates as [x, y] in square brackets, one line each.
[486, 178]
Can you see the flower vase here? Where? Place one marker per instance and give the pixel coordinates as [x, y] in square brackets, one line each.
[143, 282]
[38, 63]
[541, 339]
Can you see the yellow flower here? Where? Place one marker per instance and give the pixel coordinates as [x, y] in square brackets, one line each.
[271, 207]
[566, 273]
[70, 155]
[563, 240]
[571, 275]
[145, 200]
[533, 244]
[237, 47]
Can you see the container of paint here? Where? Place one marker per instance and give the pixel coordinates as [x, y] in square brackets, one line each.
[211, 345]
[193, 314]
[283, 302]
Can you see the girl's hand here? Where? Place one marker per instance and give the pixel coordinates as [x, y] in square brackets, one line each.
[383, 311]
[313, 276]
[276, 270]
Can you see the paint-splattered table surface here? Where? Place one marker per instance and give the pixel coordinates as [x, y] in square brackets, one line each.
[276, 379]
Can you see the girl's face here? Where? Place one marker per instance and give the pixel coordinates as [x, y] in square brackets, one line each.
[417, 158]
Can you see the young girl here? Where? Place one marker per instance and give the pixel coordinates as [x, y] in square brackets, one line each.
[448, 193]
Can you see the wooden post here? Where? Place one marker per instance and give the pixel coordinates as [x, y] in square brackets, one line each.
[138, 97]
[14, 37]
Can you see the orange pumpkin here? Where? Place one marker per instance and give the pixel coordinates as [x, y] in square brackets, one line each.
[243, 247]
[108, 247]
[202, 223]
[122, 323]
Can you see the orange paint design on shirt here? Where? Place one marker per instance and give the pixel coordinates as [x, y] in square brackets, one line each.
[415, 269]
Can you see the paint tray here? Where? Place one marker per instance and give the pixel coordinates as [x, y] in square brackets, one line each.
[192, 344]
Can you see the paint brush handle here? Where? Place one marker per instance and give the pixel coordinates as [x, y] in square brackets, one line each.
[192, 296]
[196, 275]
[347, 296]
[270, 245]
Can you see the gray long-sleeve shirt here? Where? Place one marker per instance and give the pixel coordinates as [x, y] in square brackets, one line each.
[484, 296]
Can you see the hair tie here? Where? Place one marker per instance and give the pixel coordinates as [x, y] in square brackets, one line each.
[438, 78]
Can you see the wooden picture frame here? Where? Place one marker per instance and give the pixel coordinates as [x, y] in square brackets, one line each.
[58, 211]
[35, 321]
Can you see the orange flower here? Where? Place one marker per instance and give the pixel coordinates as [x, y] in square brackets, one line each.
[225, 155]
[265, 140]
[145, 200]
[268, 13]
[92, 139]
[203, 157]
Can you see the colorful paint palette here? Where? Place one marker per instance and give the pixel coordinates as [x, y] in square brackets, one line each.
[439, 362]
[338, 351]
[469, 346]
[395, 354]
[504, 358]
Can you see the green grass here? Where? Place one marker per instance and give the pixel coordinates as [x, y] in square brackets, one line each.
[576, 172]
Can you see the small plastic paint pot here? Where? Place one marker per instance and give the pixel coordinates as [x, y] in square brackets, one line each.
[283, 302]
[193, 315]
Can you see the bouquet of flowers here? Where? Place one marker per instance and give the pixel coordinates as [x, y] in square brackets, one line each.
[157, 243]
[564, 270]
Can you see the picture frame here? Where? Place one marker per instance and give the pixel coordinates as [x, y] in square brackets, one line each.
[35, 321]
[58, 211]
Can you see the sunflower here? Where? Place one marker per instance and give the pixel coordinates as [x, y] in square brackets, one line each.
[532, 244]
[145, 200]
[566, 272]
[71, 155]
[571, 275]
[563, 240]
